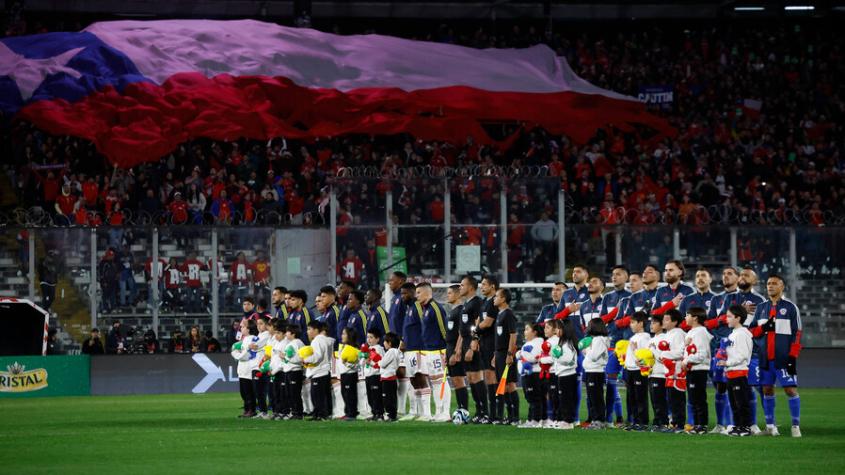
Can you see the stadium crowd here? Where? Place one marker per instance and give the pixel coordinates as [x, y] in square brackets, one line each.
[758, 113]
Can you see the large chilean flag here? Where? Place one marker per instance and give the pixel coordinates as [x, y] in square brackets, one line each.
[138, 89]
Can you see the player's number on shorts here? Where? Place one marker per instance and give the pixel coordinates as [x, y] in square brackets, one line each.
[437, 363]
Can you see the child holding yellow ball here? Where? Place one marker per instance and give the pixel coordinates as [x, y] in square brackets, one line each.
[348, 351]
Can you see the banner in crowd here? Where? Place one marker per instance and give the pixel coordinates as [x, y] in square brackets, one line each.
[164, 374]
[137, 89]
[33, 376]
[662, 96]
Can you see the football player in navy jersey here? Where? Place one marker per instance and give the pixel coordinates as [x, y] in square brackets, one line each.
[673, 272]
[578, 292]
[412, 346]
[720, 330]
[609, 309]
[396, 318]
[549, 310]
[749, 298]
[377, 316]
[777, 330]
[703, 296]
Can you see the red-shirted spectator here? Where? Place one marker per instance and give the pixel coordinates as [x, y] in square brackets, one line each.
[351, 268]
[90, 191]
[191, 269]
[240, 276]
[436, 209]
[178, 209]
[66, 203]
[172, 284]
[261, 269]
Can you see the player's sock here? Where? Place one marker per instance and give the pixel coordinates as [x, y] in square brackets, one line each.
[611, 396]
[617, 403]
[463, 398]
[769, 409]
[752, 404]
[425, 403]
[513, 409]
[690, 414]
[402, 396]
[499, 413]
[441, 406]
[496, 413]
[414, 396]
[337, 401]
[721, 402]
[479, 394]
[795, 409]
[729, 415]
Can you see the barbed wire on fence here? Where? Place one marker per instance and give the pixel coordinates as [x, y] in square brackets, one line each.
[713, 215]
[428, 171]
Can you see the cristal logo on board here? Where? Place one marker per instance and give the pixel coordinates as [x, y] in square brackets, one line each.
[17, 380]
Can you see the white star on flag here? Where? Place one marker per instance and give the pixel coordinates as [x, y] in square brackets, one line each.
[29, 73]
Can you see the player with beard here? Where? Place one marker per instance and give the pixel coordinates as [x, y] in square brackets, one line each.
[548, 311]
[703, 296]
[577, 293]
[750, 299]
[720, 330]
[471, 348]
[666, 297]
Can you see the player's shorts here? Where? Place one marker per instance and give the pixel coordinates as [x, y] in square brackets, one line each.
[501, 359]
[487, 351]
[612, 366]
[401, 359]
[717, 373]
[433, 362]
[754, 371]
[456, 369]
[769, 376]
[475, 364]
[413, 363]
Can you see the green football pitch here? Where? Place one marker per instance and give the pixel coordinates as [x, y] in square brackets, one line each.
[201, 435]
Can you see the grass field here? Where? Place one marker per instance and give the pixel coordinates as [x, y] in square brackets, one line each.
[177, 434]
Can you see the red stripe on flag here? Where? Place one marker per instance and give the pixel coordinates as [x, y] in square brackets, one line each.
[147, 121]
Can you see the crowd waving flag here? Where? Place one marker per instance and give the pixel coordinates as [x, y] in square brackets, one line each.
[137, 89]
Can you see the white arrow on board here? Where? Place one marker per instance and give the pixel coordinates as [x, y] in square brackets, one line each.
[213, 373]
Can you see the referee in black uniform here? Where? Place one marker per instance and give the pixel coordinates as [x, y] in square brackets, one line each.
[505, 349]
[487, 338]
[455, 336]
[472, 357]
